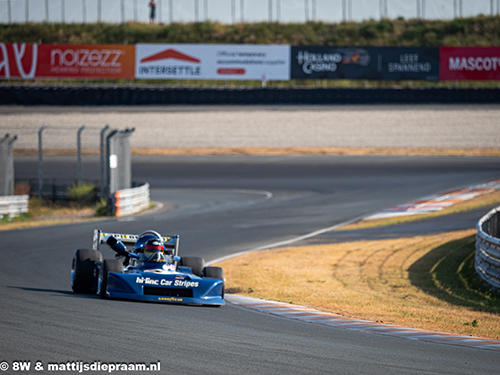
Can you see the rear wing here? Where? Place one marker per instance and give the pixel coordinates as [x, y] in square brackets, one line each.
[171, 242]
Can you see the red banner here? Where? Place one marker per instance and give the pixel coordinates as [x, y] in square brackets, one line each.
[18, 60]
[469, 64]
[25, 61]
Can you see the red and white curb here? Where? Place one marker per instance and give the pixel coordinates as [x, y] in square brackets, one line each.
[306, 314]
[438, 202]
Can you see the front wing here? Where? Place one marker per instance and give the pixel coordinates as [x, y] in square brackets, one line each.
[169, 288]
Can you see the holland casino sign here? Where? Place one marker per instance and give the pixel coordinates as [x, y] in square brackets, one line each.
[378, 63]
[24, 61]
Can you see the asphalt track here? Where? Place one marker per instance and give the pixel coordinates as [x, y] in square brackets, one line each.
[221, 205]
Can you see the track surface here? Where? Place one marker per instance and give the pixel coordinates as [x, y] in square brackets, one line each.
[223, 205]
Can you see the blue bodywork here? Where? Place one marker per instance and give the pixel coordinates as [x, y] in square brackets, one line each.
[179, 286]
[155, 273]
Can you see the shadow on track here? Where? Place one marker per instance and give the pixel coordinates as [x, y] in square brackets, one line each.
[62, 292]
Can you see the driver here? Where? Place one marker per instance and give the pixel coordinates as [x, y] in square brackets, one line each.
[153, 251]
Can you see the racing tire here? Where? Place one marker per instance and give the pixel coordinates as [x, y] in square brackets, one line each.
[82, 270]
[215, 273]
[109, 265]
[195, 263]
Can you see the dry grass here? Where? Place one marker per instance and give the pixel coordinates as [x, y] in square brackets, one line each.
[422, 282]
[485, 200]
[49, 213]
[287, 151]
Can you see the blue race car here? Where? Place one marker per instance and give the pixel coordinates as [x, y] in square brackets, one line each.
[149, 269]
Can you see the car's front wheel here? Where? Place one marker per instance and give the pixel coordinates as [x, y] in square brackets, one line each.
[109, 265]
[215, 273]
[82, 270]
[195, 263]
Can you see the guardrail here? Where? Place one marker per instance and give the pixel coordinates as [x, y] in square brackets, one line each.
[13, 205]
[130, 201]
[487, 262]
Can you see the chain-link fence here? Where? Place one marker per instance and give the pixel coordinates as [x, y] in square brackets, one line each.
[234, 11]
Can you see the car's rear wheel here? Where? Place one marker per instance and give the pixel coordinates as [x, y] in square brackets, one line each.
[215, 273]
[195, 263]
[109, 265]
[82, 270]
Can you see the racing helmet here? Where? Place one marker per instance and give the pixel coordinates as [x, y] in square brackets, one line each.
[153, 251]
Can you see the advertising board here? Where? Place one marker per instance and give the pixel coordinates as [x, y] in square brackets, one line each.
[18, 60]
[217, 61]
[373, 63]
[470, 64]
[66, 61]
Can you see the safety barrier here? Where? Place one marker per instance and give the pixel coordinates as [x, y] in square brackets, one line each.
[149, 95]
[131, 201]
[13, 205]
[487, 262]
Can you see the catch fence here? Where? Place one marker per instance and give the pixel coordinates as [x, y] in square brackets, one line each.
[236, 11]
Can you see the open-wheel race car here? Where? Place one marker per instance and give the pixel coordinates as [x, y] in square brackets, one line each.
[147, 268]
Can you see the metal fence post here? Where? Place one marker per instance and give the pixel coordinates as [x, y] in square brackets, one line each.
[40, 162]
[109, 166]
[79, 155]
[9, 185]
[119, 164]
[9, 10]
[102, 187]
[4, 166]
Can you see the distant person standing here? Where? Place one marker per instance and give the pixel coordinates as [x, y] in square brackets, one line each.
[152, 13]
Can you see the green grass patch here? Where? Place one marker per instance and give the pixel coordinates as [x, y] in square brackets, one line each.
[473, 31]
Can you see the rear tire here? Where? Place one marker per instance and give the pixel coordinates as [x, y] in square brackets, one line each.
[109, 265]
[195, 263]
[215, 273]
[82, 270]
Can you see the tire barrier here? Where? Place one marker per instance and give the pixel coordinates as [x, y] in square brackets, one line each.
[487, 262]
[130, 201]
[13, 205]
[154, 95]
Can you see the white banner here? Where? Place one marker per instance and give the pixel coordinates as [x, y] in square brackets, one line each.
[213, 61]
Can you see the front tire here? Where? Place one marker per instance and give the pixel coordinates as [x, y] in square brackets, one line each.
[215, 273]
[109, 265]
[195, 263]
[82, 270]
